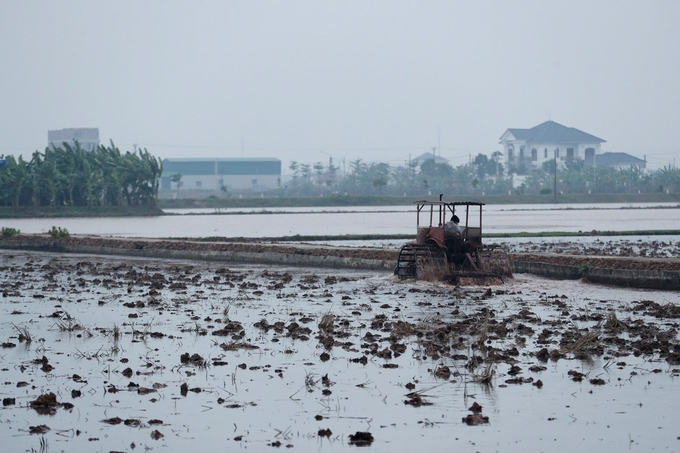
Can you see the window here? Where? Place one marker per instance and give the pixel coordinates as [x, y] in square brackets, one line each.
[545, 153]
[590, 153]
[199, 183]
[557, 152]
[534, 154]
[511, 153]
[254, 182]
[570, 153]
[521, 153]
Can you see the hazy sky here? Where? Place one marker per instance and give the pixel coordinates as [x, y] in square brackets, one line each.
[305, 80]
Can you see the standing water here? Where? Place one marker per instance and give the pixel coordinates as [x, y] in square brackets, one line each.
[277, 222]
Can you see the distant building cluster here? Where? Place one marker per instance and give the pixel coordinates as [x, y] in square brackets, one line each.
[522, 149]
[87, 137]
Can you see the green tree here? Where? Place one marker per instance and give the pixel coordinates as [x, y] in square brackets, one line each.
[176, 178]
[318, 169]
[438, 177]
[14, 179]
[667, 179]
[71, 176]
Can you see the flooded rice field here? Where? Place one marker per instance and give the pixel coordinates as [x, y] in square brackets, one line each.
[277, 222]
[112, 354]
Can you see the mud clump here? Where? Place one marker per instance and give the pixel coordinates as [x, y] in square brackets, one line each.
[475, 419]
[194, 359]
[45, 404]
[476, 408]
[361, 439]
[40, 429]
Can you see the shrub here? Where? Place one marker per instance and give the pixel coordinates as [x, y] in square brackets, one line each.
[58, 232]
[545, 191]
[9, 232]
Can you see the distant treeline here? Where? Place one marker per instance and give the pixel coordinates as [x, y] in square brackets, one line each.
[71, 176]
[483, 175]
[233, 205]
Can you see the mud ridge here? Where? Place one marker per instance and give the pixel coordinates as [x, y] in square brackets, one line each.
[639, 272]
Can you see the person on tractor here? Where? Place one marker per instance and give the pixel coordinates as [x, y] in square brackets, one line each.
[452, 227]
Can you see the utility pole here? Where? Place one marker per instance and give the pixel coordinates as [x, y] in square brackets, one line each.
[594, 172]
[555, 180]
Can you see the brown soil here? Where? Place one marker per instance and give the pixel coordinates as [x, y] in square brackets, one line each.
[298, 249]
[601, 262]
[605, 262]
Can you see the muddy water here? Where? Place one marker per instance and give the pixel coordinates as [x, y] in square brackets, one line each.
[290, 357]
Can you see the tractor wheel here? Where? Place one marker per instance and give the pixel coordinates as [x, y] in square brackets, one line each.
[421, 262]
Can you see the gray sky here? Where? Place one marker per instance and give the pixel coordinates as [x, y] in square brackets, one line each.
[305, 80]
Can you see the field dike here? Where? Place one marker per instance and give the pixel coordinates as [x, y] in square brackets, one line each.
[625, 272]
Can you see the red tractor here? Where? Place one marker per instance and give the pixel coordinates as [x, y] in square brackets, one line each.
[440, 253]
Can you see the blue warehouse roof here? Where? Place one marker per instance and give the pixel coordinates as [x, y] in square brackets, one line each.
[222, 166]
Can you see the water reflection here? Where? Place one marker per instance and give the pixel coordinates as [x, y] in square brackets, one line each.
[275, 222]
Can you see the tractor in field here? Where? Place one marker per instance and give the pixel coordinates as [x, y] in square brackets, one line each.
[451, 254]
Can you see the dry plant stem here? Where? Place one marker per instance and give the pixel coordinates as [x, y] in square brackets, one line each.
[613, 323]
[326, 322]
[24, 334]
[483, 331]
[585, 342]
[486, 376]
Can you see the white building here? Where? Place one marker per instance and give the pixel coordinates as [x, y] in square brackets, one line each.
[87, 137]
[257, 174]
[532, 147]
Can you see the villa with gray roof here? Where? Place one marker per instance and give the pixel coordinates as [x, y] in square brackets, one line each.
[532, 147]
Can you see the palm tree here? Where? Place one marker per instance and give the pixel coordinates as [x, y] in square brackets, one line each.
[35, 177]
[14, 179]
[667, 178]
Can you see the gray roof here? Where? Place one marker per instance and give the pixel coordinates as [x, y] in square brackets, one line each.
[552, 132]
[222, 166]
[429, 156]
[615, 159]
